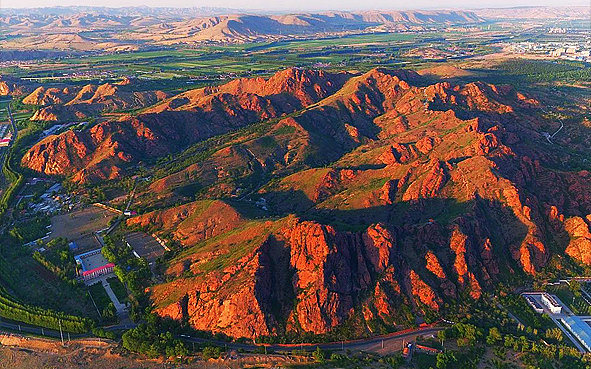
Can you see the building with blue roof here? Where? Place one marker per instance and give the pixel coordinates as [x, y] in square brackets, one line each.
[580, 329]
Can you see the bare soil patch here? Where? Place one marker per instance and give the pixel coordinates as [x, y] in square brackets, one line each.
[79, 226]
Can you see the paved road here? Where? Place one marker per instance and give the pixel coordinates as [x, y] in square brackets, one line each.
[380, 344]
[40, 331]
[121, 309]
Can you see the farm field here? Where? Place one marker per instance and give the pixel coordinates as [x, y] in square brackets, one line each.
[173, 67]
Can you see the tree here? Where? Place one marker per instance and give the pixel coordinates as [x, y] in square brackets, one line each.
[441, 337]
[319, 355]
[109, 312]
[467, 334]
[210, 352]
[494, 336]
[575, 288]
[146, 339]
[524, 343]
[554, 333]
[445, 360]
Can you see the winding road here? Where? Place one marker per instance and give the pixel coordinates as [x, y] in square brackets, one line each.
[548, 136]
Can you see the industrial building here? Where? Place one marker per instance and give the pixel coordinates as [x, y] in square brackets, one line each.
[5, 135]
[144, 246]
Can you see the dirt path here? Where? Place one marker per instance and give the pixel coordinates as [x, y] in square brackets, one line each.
[18, 352]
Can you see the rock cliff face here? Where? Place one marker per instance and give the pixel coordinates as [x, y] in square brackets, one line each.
[326, 272]
[390, 199]
[13, 86]
[73, 103]
[579, 246]
[177, 122]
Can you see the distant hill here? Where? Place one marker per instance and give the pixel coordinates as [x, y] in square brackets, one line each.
[536, 12]
[122, 11]
[64, 29]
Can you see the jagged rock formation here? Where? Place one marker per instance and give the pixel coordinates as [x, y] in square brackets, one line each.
[177, 122]
[76, 103]
[389, 197]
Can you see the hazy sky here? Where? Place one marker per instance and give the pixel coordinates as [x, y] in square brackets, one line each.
[298, 4]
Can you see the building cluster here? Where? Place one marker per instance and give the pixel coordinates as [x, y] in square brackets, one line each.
[51, 201]
[576, 328]
[580, 51]
[5, 135]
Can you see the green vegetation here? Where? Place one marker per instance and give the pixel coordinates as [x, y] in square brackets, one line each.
[131, 271]
[12, 309]
[103, 302]
[58, 259]
[15, 179]
[154, 340]
[211, 352]
[134, 274]
[102, 333]
[118, 289]
[10, 164]
[474, 341]
[319, 355]
[519, 307]
[528, 71]
[29, 230]
[572, 297]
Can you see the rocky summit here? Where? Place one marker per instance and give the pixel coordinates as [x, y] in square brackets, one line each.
[338, 200]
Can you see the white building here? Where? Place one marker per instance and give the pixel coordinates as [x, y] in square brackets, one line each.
[551, 303]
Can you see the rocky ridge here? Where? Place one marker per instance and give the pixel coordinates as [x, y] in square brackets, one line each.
[391, 198]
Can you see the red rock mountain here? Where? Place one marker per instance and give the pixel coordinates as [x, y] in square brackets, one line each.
[75, 103]
[336, 201]
[100, 153]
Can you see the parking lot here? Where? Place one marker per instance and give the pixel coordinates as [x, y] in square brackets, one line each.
[145, 246]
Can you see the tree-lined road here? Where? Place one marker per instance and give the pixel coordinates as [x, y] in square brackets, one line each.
[380, 344]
